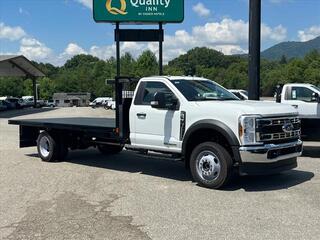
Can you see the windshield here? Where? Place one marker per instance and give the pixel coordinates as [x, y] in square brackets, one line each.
[202, 90]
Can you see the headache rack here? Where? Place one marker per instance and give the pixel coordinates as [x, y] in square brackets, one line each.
[278, 129]
[124, 90]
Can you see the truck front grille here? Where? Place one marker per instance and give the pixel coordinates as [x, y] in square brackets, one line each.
[280, 129]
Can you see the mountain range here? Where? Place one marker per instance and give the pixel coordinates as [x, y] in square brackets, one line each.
[291, 49]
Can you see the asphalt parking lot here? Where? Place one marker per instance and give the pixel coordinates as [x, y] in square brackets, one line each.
[130, 196]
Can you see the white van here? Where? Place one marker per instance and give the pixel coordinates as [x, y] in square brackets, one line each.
[100, 102]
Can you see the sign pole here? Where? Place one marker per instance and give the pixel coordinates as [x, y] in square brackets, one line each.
[117, 87]
[118, 49]
[254, 49]
[160, 50]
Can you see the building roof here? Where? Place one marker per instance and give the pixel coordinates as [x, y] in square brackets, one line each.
[18, 66]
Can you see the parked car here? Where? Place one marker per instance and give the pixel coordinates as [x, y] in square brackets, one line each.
[242, 94]
[28, 101]
[3, 106]
[16, 102]
[110, 105]
[8, 105]
[100, 102]
[50, 103]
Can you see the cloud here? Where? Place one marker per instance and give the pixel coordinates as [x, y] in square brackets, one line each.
[86, 3]
[278, 34]
[29, 46]
[11, 33]
[74, 49]
[309, 33]
[227, 31]
[34, 49]
[201, 10]
[103, 52]
[228, 36]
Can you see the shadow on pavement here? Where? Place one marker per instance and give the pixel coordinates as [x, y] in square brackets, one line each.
[311, 151]
[283, 180]
[166, 168]
[22, 112]
[130, 162]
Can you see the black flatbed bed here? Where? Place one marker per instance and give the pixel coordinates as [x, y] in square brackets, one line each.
[74, 123]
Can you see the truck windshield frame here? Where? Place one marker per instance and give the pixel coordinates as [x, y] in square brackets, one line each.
[203, 90]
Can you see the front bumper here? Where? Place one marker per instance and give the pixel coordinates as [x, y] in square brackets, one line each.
[269, 158]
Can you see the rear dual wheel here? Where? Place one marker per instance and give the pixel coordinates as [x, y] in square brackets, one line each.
[51, 148]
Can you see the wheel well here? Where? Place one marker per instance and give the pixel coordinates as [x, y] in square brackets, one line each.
[205, 135]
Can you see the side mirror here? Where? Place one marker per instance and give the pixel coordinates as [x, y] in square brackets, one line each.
[315, 97]
[159, 100]
[165, 101]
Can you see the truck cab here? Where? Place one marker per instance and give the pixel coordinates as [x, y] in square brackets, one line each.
[204, 122]
[304, 97]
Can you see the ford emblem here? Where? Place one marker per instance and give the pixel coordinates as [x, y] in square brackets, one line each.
[287, 127]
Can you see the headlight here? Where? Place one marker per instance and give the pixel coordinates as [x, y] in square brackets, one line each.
[247, 129]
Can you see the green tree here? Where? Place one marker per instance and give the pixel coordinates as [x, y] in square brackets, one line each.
[46, 88]
[146, 65]
[283, 60]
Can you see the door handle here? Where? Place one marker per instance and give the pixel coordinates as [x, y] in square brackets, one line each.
[141, 115]
[295, 106]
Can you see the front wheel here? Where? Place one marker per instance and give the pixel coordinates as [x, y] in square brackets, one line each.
[211, 165]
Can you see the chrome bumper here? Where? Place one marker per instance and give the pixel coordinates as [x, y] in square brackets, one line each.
[271, 153]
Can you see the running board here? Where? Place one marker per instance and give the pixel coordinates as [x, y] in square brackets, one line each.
[155, 154]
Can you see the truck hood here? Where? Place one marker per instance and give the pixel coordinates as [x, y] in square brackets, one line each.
[248, 107]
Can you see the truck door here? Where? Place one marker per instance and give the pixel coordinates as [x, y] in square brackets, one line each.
[152, 128]
[303, 99]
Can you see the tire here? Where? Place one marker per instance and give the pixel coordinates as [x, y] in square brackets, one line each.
[211, 165]
[47, 147]
[109, 149]
[50, 149]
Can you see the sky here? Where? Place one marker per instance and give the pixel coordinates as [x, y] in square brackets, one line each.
[55, 30]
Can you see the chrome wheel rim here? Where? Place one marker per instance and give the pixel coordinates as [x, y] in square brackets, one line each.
[208, 166]
[44, 146]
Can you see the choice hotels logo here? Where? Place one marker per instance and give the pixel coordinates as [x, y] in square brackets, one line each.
[116, 11]
[147, 5]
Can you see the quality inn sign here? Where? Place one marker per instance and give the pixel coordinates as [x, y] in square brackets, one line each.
[170, 11]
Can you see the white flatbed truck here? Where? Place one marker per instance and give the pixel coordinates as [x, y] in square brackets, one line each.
[195, 119]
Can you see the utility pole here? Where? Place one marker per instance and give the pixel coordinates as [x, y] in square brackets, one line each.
[34, 87]
[254, 49]
[160, 49]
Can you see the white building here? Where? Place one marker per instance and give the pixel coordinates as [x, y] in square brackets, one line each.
[71, 99]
